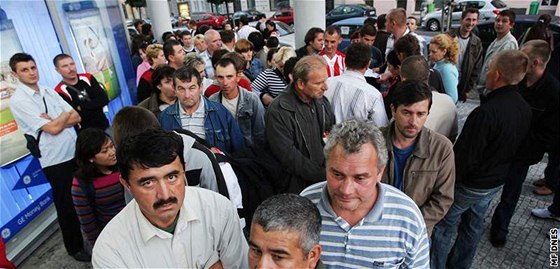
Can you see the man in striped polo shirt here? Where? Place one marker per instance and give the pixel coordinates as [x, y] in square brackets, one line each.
[365, 223]
[334, 58]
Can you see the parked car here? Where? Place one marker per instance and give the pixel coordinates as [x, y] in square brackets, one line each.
[349, 26]
[284, 15]
[252, 15]
[487, 33]
[206, 18]
[349, 11]
[287, 37]
[488, 9]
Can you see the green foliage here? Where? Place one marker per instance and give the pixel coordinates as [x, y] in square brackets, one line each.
[136, 3]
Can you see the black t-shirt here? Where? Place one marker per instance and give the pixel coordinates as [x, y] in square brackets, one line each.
[88, 101]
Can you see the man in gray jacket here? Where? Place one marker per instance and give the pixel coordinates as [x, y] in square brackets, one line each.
[245, 106]
[471, 57]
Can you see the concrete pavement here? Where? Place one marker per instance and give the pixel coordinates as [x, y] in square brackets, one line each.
[528, 243]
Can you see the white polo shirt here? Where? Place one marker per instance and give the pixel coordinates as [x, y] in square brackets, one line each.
[27, 106]
[207, 231]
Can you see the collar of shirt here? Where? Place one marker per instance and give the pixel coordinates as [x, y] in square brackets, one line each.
[27, 90]
[148, 230]
[355, 75]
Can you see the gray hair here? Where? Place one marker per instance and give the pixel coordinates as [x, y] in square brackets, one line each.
[293, 213]
[193, 59]
[304, 66]
[352, 134]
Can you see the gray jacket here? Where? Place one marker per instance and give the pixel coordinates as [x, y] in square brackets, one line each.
[249, 116]
[471, 66]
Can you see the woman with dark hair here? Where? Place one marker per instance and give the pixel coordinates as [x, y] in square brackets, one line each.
[540, 31]
[254, 65]
[270, 30]
[394, 66]
[96, 192]
[257, 40]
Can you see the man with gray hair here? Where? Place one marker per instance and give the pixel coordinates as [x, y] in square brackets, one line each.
[297, 121]
[365, 223]
[196, 61]
[443, 112]
[287, 226]
[214, 43]
[483, 153]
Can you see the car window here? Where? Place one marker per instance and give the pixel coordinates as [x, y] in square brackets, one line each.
[277, 13]
[286, 14]
[459, 7]
[498, 4]
[337, 11]
[481, 4]
[283, 28]
[472, 4]
[205, 17]
[348, 10]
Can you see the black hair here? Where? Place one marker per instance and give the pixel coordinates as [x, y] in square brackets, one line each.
[161, 72]
[469, 11]
[381, 21]
[18, 58]
[166, 35]
[146, 29]
[289, 67]
[149, 149]
[272, 42]
[137, 22]
[138, 42]
[243, 19]
[358, 56]
[508, 13]
[227, 36]
[168, 49]
[409, 92]
[371, 21]
[408, 45]
[186, 74]
[60, 57]
[270, 54]
[225, 62]
[367, 29]
[332, 29]
[312, 34]
[89, 143]
[202, 30]
[184, 33]
[257, 39]
[539, 30]
[217, 56]
[393, 59]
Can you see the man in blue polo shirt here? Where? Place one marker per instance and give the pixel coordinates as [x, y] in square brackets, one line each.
[365, 223]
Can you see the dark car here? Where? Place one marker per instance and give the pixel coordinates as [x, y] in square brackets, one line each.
[487, 33]
[349, 11]
[284, 15]
[252, 15]
[206, 18]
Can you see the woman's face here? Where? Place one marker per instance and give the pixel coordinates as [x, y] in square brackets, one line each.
[106, 156]
[227, 26]
[269, 27]
[248, 55]
[436, 54]
[395, 70]
[160, 60]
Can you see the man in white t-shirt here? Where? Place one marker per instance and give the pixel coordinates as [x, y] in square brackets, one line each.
[244, 28]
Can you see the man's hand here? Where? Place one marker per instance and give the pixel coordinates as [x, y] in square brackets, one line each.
[45, 116]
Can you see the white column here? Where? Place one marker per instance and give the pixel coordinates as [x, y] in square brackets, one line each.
[307, 14]
[158, 11]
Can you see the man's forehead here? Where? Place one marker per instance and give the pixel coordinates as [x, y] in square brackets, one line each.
[27, 64]
[138, 170]
[415, 106]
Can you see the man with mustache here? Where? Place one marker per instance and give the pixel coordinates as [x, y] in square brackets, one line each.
[168, 225]
[421, 161]
[82, 92]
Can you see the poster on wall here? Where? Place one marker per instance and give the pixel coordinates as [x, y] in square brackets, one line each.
[94, 49]
[12, 141]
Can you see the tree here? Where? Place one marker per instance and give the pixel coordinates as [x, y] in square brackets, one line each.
[137, 4]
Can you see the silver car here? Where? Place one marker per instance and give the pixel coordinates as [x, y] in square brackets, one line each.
[488, 9]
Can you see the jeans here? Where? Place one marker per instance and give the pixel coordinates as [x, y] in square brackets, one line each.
[510, 196]
[470, 206]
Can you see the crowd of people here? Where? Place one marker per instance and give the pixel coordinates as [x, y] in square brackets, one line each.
[297, 158]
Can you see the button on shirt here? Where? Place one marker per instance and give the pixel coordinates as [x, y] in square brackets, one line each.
[27, 105]
[207, 231]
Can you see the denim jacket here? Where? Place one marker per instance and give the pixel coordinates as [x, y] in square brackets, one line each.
[222, 130]
[254, 69]
[249, 115]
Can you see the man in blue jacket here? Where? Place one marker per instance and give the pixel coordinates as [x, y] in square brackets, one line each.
[208, 120]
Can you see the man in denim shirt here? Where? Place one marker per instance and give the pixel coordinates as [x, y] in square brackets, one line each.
[208, 120]
[245, 106]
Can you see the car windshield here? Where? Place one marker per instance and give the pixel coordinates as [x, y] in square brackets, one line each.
[498, 4]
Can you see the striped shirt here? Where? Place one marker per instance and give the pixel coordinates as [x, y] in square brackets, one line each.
[268, 81]
[109, 201]
[194, 122]
[392, 235]
[352, 97]
[335, 66]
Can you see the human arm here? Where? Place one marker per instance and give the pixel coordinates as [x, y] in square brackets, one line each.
[237, 141]
[232, 246]
[450, 77]
[258, 121]
[105, 254]
[418, 252]
[86, 213]
[98, 96]
[471, 143]
[477, 67]
[260, 83]
[379, 115]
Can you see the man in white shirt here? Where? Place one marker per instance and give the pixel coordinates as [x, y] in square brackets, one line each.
[334, 58]
[167, 225]
[42, 114]
[244, 28]
[350, 95]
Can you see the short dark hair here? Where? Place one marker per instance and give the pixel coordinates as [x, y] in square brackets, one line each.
[289, 67]
[312, 34]
[237, 59]
[414, 18]
[469, 11]
[192, 23]
[166, 35]
[407, 44]
[137, 22]
[257, 39]
[217, 56]
[409, 92]
[293, 213]
[368, 29]
[272, 42]
[393, 59]
[132, 120]
[146, 28]
[227, 36]
[333, 29]
[243, 19]
[371, 21]
[186, 74]
[225, 62]
[60, 57]
[508, 13]
[415, 68]
[149, 149]
[168, 47]
[161, 72]
[381, 21]
[358, 56]
[184, 33]
[18, 58]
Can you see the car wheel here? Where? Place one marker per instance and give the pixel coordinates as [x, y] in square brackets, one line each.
[433, 25]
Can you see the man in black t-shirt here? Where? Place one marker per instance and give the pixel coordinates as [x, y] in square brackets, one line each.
[82, 92]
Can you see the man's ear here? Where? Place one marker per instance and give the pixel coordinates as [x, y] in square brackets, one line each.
[313, 256]
[393, 110]
[300, 84]
[124, 183]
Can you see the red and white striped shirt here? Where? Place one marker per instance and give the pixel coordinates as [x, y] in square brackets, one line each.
[335, 66]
